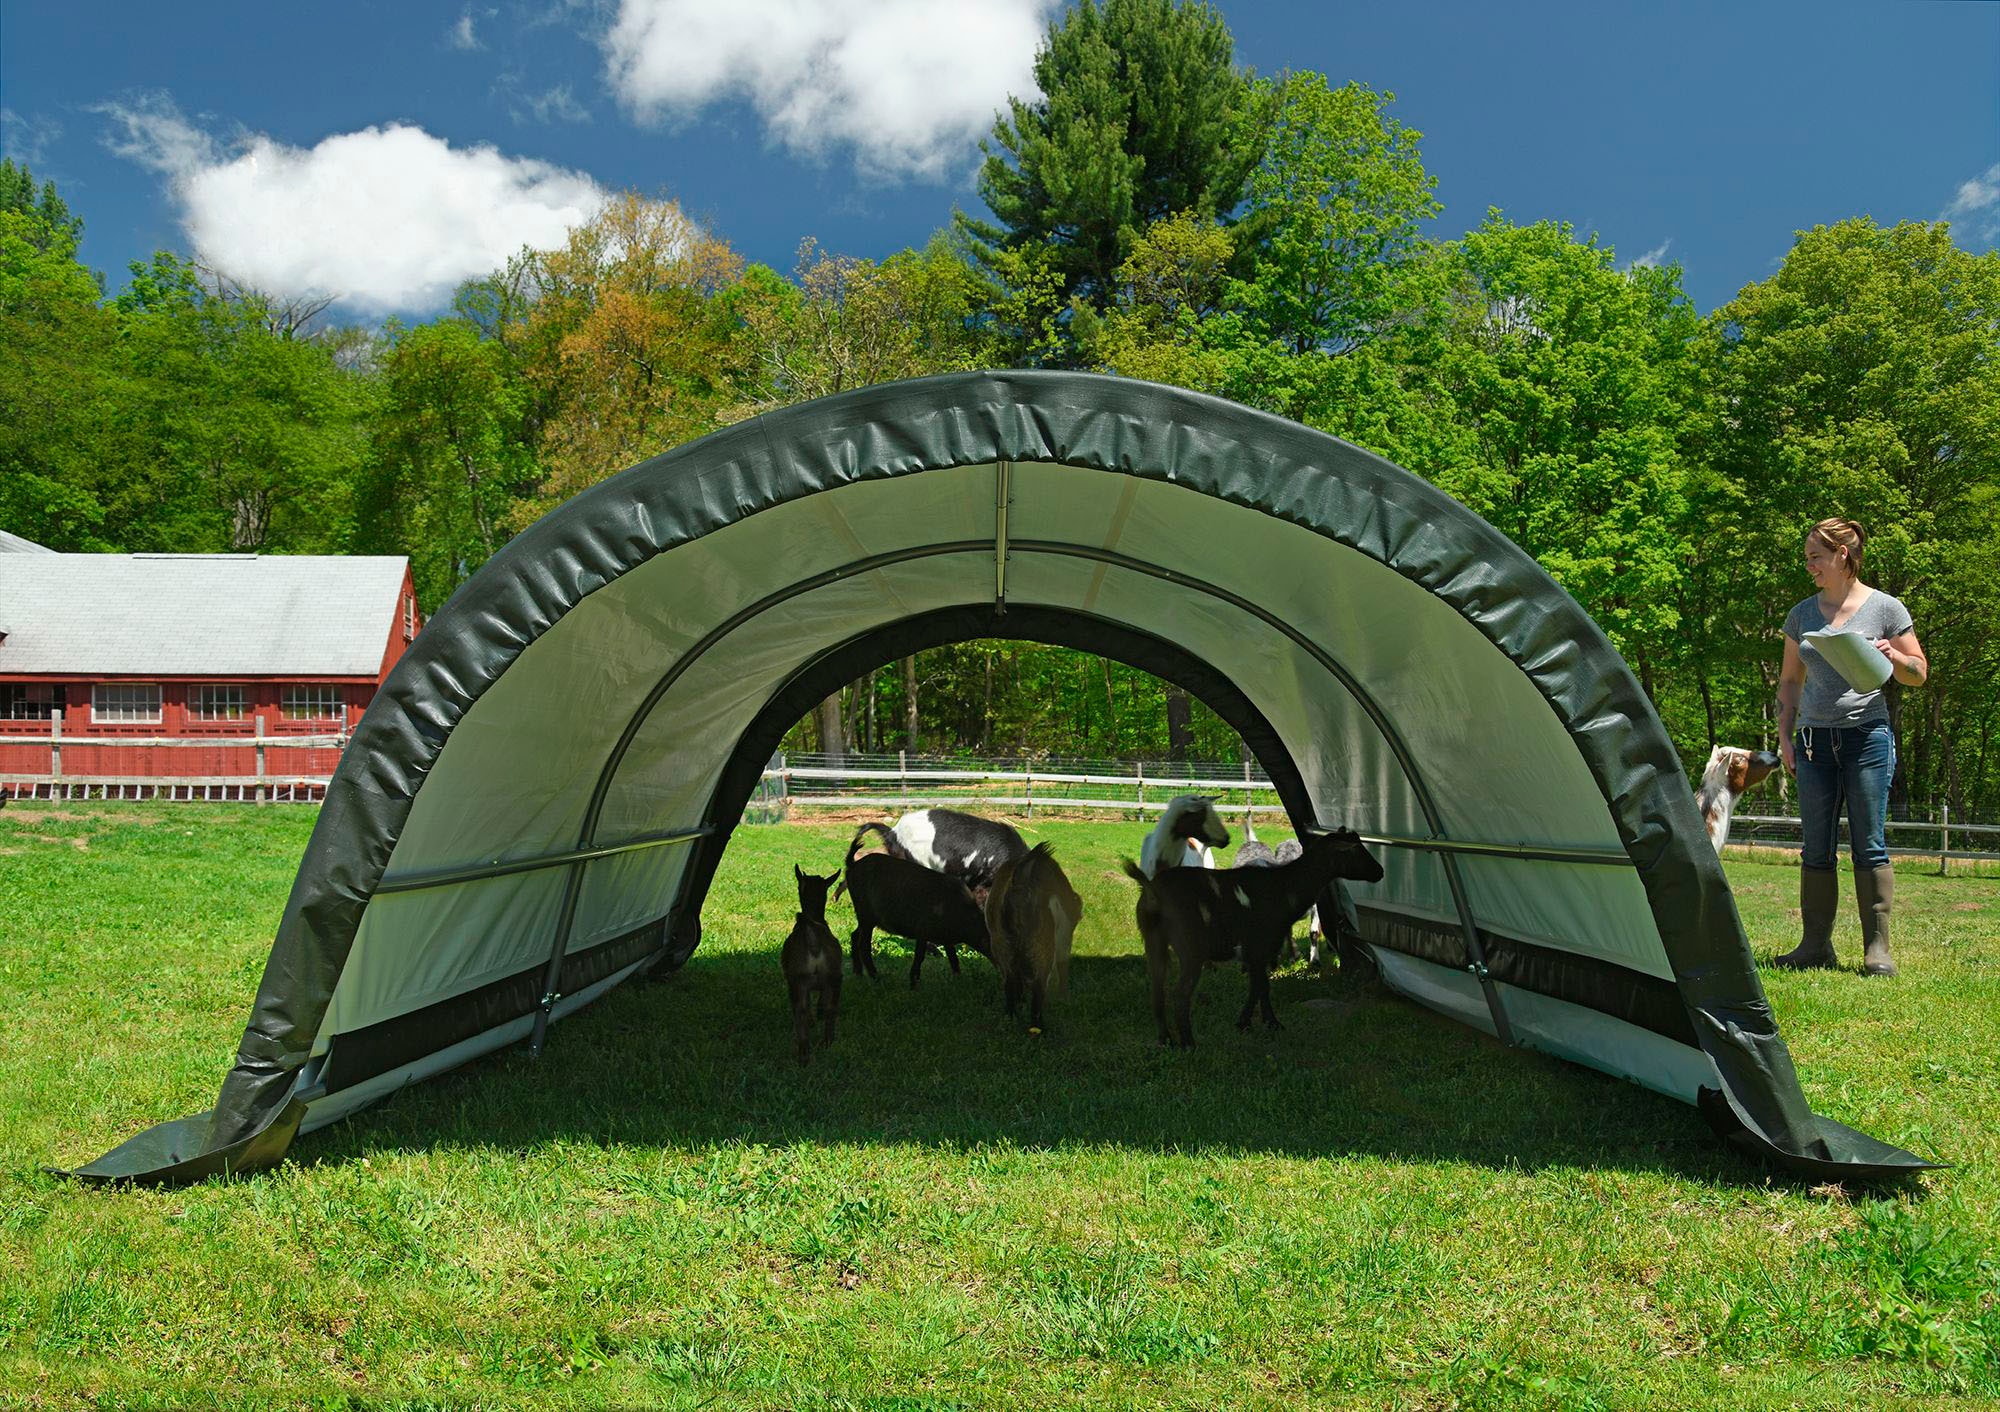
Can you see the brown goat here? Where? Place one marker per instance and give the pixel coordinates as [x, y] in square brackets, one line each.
[1199, 916]
[812, 963]
[1031, 915]
[906, 899]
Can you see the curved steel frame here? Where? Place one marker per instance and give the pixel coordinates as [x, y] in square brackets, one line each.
[573, 884]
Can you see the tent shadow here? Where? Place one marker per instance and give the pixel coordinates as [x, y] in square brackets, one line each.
[703, 1057]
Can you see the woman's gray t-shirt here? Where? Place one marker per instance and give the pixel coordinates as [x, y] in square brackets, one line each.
[1827, 699]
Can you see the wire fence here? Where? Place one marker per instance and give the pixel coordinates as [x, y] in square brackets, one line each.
[1047, 785]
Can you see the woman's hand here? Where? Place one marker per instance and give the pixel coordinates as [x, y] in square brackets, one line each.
[1785, 753]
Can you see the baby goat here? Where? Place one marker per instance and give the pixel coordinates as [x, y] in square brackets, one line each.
[811, 959]
[1201, 916]
[907, 899]
[1032, 913]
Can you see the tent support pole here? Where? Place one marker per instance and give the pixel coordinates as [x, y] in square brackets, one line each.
[1475, 953]
[565, 922]
[1001, 499]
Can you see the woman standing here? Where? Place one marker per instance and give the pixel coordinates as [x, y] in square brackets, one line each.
[1842, 749]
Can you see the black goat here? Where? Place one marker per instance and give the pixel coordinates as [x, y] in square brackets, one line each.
[1200, 916]
[907, 899]
[811, 959]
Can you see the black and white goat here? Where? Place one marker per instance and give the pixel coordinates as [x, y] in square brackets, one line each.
[961, 846]
[1184, 836]
[1198, 915]
[1731, 770]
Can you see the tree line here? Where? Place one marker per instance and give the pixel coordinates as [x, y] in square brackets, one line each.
[1158, 211]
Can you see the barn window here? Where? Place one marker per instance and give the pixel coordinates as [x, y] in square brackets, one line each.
[215, 703]
[29, 701]
[312, 703]
[125, 703]
[409, 617]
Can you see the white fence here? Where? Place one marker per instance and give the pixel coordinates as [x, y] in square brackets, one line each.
[282, 769]
[1983, 840]
[903, 781]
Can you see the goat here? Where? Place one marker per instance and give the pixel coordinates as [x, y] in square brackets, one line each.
[1182, 838]
[812, 963]
[962, 846]
[1255, 853]
[1731, 770]
[1200, 916]
[1031, 915]
[903, 897]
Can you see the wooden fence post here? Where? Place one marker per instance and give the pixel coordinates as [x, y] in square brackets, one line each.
[260, 759]
[55, 747]
[1030, 777]
[1944, 838]
[1141, 766]
[903, 776]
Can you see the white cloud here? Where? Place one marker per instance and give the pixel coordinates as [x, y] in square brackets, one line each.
[1652, 258]
[1975, 208]
[463, 35]
[552, 105]
[909, 85]
[27, 140]
[387, 218]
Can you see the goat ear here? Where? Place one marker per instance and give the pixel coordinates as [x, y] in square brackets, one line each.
[797, 875]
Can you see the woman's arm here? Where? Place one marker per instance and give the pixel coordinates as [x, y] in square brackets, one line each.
[1791, 681]
[1907, 662]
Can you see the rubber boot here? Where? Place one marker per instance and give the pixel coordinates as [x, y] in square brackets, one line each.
[1874, 890]
[1819, 899]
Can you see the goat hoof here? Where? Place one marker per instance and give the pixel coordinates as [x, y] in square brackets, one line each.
[1272, 1025]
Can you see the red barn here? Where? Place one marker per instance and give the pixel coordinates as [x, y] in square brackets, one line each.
[121, 669]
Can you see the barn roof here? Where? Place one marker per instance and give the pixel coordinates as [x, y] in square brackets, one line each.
[198, 614]
[14, 544]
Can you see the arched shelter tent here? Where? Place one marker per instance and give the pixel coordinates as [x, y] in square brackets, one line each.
[533, 807]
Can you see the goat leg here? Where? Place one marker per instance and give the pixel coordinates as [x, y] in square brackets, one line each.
[1260, 984]
[918, 948]
[1035, 989]
[801, 1020]
[861, 949]
[1156, 973]
[1184, 1000]
[951, 955]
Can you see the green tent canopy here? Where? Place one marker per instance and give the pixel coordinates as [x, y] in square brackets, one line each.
[534, 805]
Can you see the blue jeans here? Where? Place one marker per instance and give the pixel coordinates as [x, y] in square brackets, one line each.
[1851, 764]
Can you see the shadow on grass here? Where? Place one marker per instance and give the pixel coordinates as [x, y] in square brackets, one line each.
[702, 1057]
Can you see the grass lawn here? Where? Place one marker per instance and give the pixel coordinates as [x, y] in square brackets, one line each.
[1373, 1208]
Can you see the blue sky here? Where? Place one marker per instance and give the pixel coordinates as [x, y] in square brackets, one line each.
[386, 150]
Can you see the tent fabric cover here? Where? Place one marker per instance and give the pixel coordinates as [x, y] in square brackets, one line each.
[533, 806]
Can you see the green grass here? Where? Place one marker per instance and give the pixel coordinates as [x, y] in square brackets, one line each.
[1373, 1208]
